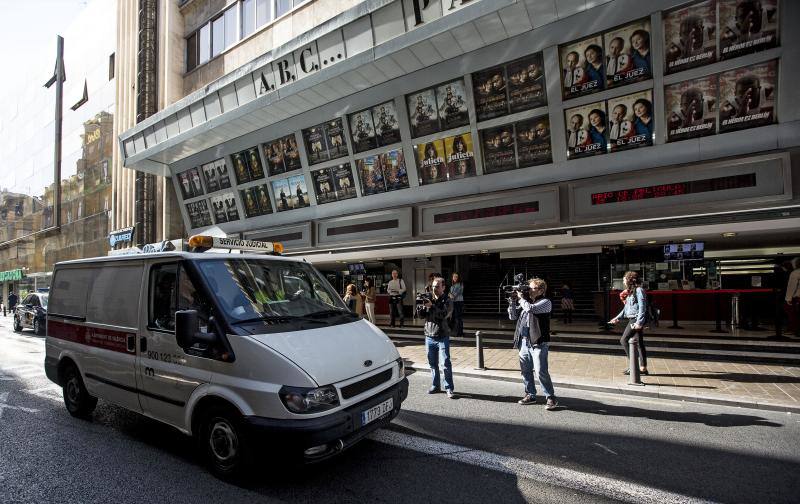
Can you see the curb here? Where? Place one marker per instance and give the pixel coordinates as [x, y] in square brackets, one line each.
[716, 401]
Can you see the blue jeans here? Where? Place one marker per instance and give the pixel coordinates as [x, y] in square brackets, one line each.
[531, 359]
[439, 350]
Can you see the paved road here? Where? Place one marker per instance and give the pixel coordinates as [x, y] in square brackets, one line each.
[482, 447]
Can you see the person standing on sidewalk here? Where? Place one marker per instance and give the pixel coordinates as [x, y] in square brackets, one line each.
[532, 310]
[369, 299]
[12, 302]
[457, 296]
[634, 312]
[396, 288]
[792, 298]
[567, 303]
[436, 309]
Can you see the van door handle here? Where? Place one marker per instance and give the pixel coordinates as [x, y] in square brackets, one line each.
[132, 343]
[142, 344]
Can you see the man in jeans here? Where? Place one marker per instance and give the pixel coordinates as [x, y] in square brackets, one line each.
[436, 311]
[396, 288]
[532, 311]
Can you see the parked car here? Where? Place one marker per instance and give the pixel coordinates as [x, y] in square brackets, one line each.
[31, 313]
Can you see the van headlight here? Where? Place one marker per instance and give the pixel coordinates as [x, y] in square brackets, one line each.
[309, 400]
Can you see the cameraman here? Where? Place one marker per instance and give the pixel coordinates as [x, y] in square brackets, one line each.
[531, 309]
[436, 308]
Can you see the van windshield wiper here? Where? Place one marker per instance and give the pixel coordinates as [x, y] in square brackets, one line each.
[329, 313]
[274, 319]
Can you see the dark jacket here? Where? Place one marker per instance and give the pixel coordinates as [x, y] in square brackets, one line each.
[436, 316]
[12, 300]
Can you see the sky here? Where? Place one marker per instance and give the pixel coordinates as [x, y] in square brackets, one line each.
[29, 30]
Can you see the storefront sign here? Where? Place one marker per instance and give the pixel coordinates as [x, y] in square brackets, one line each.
[124, 235]
[11, 275]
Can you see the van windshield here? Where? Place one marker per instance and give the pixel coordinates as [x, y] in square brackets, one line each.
[275, 292]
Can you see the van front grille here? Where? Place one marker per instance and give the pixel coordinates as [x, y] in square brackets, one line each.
[373, 381]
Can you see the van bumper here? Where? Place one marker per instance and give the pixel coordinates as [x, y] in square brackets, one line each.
[341, 429]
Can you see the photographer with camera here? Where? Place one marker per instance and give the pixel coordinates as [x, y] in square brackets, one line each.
[531, 309]
[436, 308]
[396, 288]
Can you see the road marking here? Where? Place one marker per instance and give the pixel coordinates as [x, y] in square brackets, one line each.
[5, 406]
[609, 450]
[524, 469]
[48, 391]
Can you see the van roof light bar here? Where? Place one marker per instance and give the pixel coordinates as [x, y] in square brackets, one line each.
[201, 243]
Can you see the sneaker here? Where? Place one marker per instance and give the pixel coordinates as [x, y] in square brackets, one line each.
[552, 403]
[451, 394]
[528, 399]
[434, 390]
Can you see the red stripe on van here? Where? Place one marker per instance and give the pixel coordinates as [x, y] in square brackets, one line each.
[116, 341]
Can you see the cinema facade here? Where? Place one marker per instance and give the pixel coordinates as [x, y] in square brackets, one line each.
[448, 135]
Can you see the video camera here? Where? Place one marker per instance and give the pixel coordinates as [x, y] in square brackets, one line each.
[421, 298]
[520, 286]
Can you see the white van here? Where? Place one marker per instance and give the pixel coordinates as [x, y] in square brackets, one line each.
[235, 349]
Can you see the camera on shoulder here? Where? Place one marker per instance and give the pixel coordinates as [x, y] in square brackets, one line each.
[420, 300]
[520, 288]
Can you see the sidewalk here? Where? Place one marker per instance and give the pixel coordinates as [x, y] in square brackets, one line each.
[762, 386]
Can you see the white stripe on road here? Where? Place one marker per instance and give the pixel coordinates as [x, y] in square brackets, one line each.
[524, 469]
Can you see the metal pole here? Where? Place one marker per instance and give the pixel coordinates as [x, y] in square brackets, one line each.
[479, 350]
[633, 364]
[60, 78]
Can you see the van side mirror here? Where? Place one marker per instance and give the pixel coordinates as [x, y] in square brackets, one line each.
[187, 330]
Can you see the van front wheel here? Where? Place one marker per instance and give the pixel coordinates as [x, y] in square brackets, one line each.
[76, 398]
[224, 444]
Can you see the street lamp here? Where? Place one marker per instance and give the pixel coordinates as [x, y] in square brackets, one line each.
[58, 78]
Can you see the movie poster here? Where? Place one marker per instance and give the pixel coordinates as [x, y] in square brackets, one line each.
[630, 121]
[231, 210]
[387, 129]
[334, 131]
[222, 173]
[199, 216]
[297, 185]
[210, 174]
[498, 149]
[691, 108]
[189, 181]
[587, 131]
[460, 156]
[489, 90]
[431, 162]
[747, 26]
[747, 96]
[362, 131]
[218, 208]
[582, 68]
[452, 100]
[690, 36]
[395, 175]
[343, 182]
[526, 84]
[370, 174]
[283, 196]
[422, 113]
[533, 141]
[256, 201]
[282, 155]
[254, 164]
[627, 51]
[316, 148]
[324, 186]
[240, 168]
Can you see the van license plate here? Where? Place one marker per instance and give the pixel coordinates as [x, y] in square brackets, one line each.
[378, 411]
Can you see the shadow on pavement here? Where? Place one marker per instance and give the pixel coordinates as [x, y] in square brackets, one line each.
[736, 377]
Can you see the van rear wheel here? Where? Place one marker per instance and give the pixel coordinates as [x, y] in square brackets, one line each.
[76, 398]
[224, 444]
[37, 327]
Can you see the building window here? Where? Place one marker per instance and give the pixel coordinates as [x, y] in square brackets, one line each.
[231, 30]
[217, 36]
[282, 7]
[204, 43]
[263, 12]
[191, 51]
[111, 64]
[248, 17]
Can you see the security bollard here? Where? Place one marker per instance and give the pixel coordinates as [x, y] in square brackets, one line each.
[633, 364]
[479, 349]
